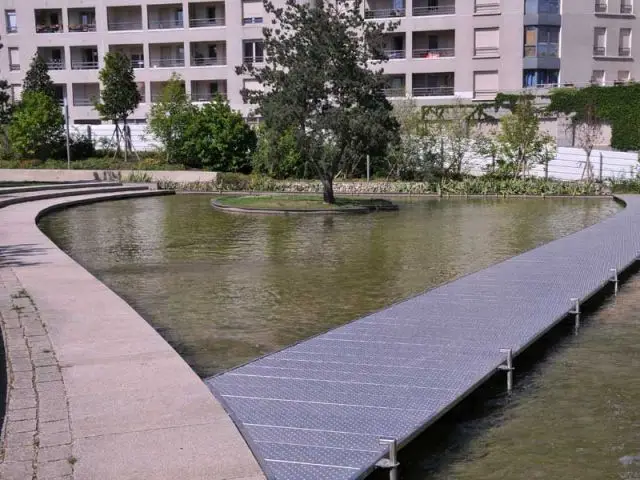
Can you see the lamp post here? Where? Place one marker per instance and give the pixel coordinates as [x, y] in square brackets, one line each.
[66, 121]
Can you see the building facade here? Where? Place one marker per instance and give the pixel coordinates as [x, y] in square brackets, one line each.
[443, 49]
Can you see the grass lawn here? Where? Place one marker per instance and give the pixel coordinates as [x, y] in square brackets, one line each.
[298, 202]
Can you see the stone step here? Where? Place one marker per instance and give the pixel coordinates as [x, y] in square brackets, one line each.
[57, 186]
[33, 196]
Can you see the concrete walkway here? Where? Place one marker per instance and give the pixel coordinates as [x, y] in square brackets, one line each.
[95, 392]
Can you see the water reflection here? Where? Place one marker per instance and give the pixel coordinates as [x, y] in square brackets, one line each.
[224, 289]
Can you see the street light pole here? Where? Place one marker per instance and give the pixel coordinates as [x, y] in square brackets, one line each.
[66, 121]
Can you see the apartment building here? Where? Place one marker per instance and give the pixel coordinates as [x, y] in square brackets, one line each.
[443, 49]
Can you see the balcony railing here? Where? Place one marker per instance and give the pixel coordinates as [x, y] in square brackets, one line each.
[55, 64]
[434, 52]
[485, 94]
[207, 61]
[624, 52]
[206, 22]
[91, 65]
[252, 20]
[48, 28]
[254, 59]
[601, 7]
[385, 13]
[487, 8]
[486, 51]
[541, 50]
[434, 10]
[137, 63]
[599, 51]
[167, 62]
[84, 27]
[433, 91]
[14, 67]
[83, 101]
[395, 54]
[206, 97]
[626, 9]
[12, 29]
[164, 24]
[395, 92]
[120, 26]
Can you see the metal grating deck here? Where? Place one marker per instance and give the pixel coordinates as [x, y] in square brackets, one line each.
[316, 410]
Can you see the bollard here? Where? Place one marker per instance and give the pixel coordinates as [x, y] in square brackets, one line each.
[508, 367]
[390, 463]
[614, 279]
[576, 312]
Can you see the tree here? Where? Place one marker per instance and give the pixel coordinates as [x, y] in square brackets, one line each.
[37, 126]
[37, 78]
[277, 155]
[170, 116]
[119, 96]
[588, 134]
[219, 139]
[317, 81]
[520, 140]
[486, 145]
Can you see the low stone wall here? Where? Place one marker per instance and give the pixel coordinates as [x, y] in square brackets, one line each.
[42, 175]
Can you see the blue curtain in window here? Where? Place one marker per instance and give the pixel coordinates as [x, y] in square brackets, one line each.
[530, 78]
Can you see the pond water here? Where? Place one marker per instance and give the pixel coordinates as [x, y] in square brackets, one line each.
[224, 289]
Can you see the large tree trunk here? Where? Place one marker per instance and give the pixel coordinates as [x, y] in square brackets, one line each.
[327, 193]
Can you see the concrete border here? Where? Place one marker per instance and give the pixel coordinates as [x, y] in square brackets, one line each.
[94, 391]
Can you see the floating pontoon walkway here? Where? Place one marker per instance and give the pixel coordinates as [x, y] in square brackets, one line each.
[317, 410]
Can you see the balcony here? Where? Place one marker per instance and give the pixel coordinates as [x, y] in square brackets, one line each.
[60, 92]
[166, 55]
[124, 18]
[396, 86]
[422, 8]
[433, 84]
[135, 53]
[393, 46]
[626, 9]
[624, 52]
[434, 44]
[85, 94]
[157, 88]
[601, 7]
[207, 54]
[82, 19]
[162, 17]
[599, 52]
[384, 9]
[84, 58]
[487, 8]
[49, 20]
[53, 57]
[206, 15]
[208, 90]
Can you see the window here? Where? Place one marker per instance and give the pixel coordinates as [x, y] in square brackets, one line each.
[541, 41]
[598, 77]
[11, 21]
[485, 85]
[599, 41]
[540, 78]
[487, 42]
[624, 46]
[601, 6]
[253, 51]
[252, 85]
[252, 12]
[14, 59]
[626, 7]
[487, 6]
[623, 76]
[542, 6]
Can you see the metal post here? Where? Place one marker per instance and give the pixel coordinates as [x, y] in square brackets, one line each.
[390, 463]
[66, 121]
[368, 167]
[614, 279]
[576, 312]
[508, 367]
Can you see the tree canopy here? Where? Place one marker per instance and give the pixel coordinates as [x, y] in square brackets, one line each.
[320, 81]
[119, 96]
[37, 78]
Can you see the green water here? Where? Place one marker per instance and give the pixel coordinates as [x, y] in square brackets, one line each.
[224, 289]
